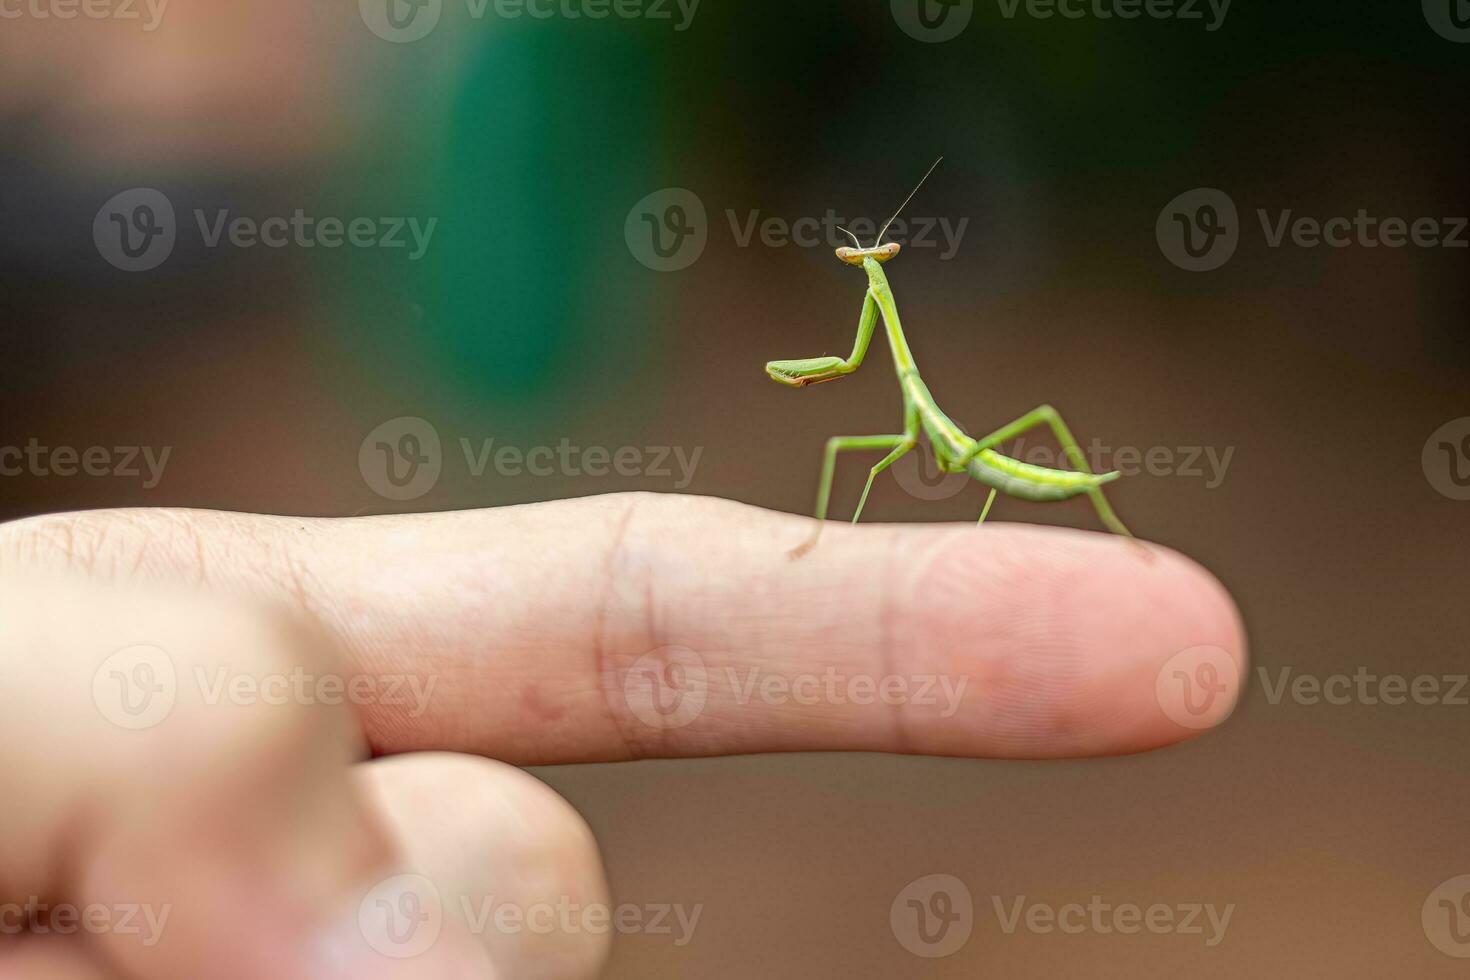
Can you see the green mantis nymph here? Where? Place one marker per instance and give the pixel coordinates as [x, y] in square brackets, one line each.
[954, 450]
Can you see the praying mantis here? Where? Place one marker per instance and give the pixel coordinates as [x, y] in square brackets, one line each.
[954, 450]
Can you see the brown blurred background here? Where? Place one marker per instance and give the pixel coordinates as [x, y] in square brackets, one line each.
[534, 317]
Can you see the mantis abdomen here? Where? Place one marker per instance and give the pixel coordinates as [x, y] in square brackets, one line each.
[956, 450]
[1029, 481]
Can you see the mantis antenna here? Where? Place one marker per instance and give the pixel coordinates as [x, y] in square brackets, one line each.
[849, 234]
[906, 201]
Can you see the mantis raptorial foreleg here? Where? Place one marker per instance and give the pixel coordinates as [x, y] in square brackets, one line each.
[1048, 416]
[804, 371]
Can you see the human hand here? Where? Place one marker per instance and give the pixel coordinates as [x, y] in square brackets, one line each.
[196, 706]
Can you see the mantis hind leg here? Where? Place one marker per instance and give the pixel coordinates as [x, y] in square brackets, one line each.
[1048, 416]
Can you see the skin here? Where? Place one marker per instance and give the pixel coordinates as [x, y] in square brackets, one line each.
[264, 825]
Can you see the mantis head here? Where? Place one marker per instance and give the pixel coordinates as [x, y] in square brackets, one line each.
[855, 256]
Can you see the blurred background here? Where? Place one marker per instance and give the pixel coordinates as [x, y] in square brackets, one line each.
[588, 234]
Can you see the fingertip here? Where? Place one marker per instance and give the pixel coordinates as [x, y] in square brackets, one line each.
[1173, 645]
[503, 851]
[1076, 644]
